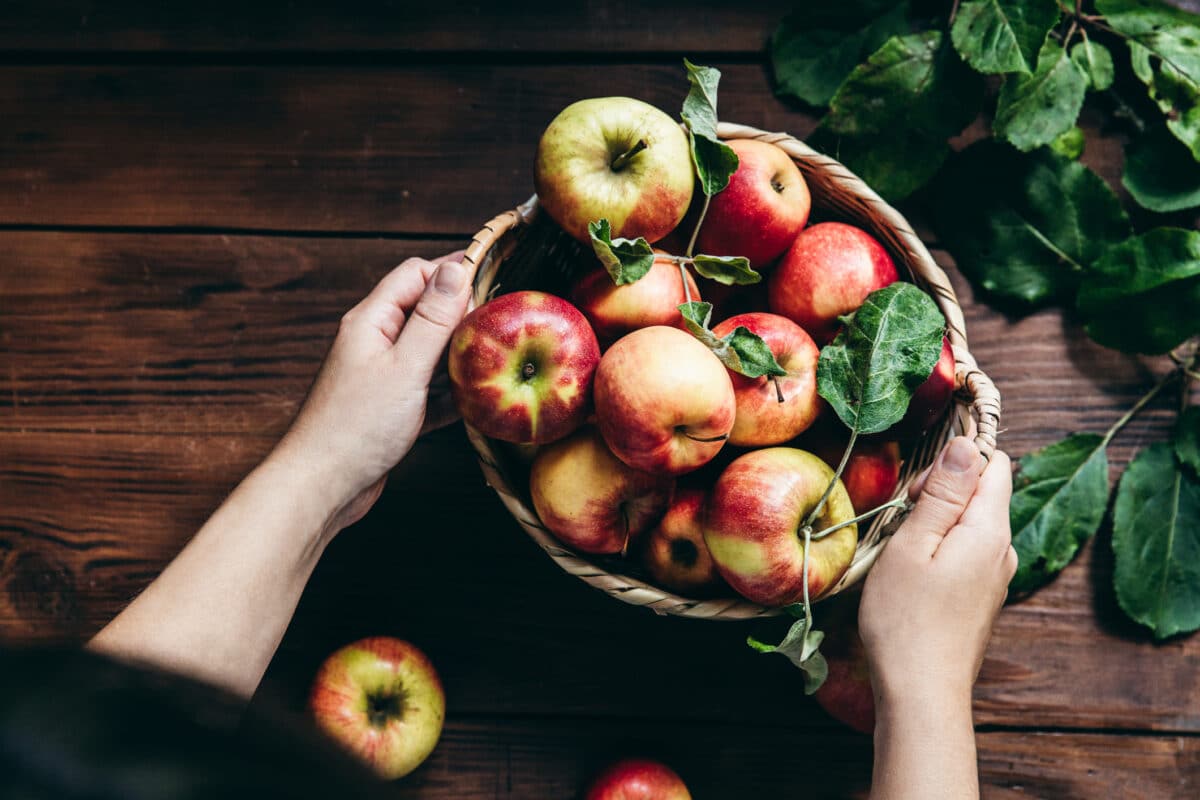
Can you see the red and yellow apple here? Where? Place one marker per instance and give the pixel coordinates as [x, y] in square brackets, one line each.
[382, 700]
[846, 694]
[654, 299]
[753, 526]
[521, 367]
[828, 272]
[929, 401]
[773, 410]
[872, 472]
[591, 500]
[637, 779]
[676, 556]
[664, 402]
[761, 210]
[618, 159]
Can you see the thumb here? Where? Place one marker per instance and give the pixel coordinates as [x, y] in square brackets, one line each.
[434, 318]
[947, 491]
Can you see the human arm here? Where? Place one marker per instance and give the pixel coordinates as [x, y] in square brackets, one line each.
[926, 616]
[220, 608]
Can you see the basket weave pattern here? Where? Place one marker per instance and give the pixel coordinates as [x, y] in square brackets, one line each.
[977, 406]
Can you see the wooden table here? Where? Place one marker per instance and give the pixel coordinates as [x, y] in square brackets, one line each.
[189, 200]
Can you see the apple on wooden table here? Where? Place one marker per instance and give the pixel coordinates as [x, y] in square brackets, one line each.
[676, 555]
[846, 695]
[618, 159]
[653, 299]
[381, 699]
[637, 779]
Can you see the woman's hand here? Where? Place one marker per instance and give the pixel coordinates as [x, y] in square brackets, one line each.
[371, 398]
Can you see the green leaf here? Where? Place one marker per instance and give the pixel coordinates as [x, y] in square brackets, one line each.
[626, 260]
[1187, 439]
[1144, 294]
[1160, 173]
[1176, 93]
[814, 49]
[715, 161]
[915, 83]
[741, 351]
[1002, 35]
[729, 270]
[1031, 235]
[1156, 541]
[1034, 109]
[870, 371]
[1096, 62]
[1070, 144]
[1059, 498]
[801, 647]
[895, 165]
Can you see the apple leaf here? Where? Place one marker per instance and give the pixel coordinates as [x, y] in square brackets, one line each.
[895, 165]
[890, 346]
[1030, 237]
[742, 351]
[729, 270]
[1187, 439]
[1176, 93]
[1070, 144]
[1160, 173]
[998, 36]
[1142, 296]
[814, 49]
[1096, 62]
[626, 260]
[1156, 543]
[1060, 494]
[1034, 109]
[715, 161]
[801, 647]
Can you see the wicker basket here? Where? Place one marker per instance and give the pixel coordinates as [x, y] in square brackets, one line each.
[836, 189]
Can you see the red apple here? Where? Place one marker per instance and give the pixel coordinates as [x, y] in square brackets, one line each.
[381, 699]
[521, 367]
[664, 402]
[761, 210]
[615, 310]
[754, 519]
[828, 271]
[618, 159]
[774, 410]
[638, 779]
[846, 694]
[872, 473]
[676, 555]
[590, 499]
[929, 401]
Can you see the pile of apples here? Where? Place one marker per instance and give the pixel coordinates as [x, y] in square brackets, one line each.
[645, 445]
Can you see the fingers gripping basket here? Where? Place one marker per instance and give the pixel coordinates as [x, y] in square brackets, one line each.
[833, 187]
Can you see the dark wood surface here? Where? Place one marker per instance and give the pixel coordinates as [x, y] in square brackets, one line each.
[189, 200]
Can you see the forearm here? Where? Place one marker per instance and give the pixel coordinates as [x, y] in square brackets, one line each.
[925, 749]
[220, 608]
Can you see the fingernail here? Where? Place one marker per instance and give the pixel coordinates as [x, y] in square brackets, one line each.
[450, 278]
[961, 454]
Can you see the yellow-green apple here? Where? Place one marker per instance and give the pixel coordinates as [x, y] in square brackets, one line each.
[664, 401]
[753, 526]
[676, 556]
[828, 271]
[773, 410]
[521, 367]
[618, 159]
[637, 779]
[381, 699]
[590, 499]
[761, 210]
[930, 399]
[846, 694]
[872, 471]
[654, 299]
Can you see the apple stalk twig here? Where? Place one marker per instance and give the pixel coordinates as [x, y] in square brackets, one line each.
[837, 474]
[897, 503]
[691, 248]
[620, 162]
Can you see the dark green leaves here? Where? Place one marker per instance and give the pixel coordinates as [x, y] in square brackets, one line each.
[895, 166]
[715, 161]
[1176, 93]
[1059, 498]
[626, 260]
[1030, 234]
[1187, 439]
[1096, 62]
[800, 646]
[1156, 541]
[1160, 173]
[1034, 109]
[1144, 294]
[729, 270]
[1002, 35]
[814, 49]
[869, 372]
[741, 351]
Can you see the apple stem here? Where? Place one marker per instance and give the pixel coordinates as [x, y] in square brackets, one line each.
[720, 438]
[897, 503]
[696, 232]
[625, 522]
[778, 389]
[687, 291]
[820, 506]
[620, 162]
[808, 621]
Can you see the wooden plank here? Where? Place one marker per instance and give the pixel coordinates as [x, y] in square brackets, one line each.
[410, 149]
[392, 26]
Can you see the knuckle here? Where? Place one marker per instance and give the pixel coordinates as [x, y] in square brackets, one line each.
[945, 488]
[435, 313]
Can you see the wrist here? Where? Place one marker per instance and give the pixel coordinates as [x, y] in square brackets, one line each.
[932, 702]
[299, 481]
